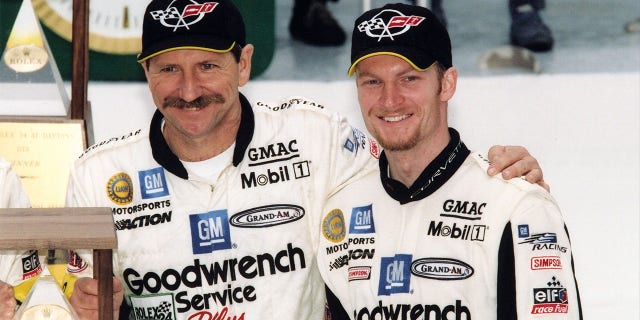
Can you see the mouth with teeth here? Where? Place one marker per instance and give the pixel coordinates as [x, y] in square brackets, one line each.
[395, 118]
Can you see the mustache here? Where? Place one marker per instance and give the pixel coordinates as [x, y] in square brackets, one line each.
[199, 102]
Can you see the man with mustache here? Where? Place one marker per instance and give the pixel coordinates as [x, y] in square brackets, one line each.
[217, 204]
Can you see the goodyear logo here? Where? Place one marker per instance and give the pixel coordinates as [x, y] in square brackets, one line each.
[120, 189]
[333, 226]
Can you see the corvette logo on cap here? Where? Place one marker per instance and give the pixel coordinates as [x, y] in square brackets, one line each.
[378, 28]
[191, 14]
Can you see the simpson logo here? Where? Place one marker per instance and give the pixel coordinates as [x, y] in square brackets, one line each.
[120, 189]
[546, 263]
[374, 148]
[159, 306]
[388, 24]
[441, 269]
[193, 13]
[153, 183]
[31, 266]
[359, 273]
[395, 275]
[362, 220]
[210, 232]
[267, 216]
[333, 227]
[552, 299]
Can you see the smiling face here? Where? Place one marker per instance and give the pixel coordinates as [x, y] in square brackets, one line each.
[197, 91]
[403, 107]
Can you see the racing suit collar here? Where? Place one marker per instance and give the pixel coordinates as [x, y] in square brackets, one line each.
[436, 174]
[169, 161]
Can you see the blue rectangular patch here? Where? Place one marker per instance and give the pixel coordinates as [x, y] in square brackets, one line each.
[153, 183]
[210, 231]
[395, 275]
[523, 230]
[362, 220]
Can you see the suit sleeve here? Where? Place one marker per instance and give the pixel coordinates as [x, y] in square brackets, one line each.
[536, 276]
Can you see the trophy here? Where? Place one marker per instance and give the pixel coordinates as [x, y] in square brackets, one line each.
[38, 133]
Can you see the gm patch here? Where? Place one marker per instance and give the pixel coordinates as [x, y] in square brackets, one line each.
[210, 231]
[153, 183]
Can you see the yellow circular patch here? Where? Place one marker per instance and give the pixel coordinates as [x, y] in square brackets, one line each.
[333, 226]
[120, 188]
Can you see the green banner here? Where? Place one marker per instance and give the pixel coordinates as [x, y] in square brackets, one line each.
[259, 18]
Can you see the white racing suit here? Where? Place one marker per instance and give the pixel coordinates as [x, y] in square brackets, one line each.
[17, 268]
[458, 244]
[243, 248]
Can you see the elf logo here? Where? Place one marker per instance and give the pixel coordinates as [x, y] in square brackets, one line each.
[31, 266]
[210, 232]
[552, 299]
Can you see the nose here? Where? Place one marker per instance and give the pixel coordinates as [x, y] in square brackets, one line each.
[391, 95]
[190, 88]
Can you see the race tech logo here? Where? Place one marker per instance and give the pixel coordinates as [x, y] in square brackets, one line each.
[388, 24]
[191, 14]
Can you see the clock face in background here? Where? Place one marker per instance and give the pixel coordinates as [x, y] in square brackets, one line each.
[115, 26]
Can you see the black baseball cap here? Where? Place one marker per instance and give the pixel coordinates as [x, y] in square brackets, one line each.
[189, 24]
[412, 33]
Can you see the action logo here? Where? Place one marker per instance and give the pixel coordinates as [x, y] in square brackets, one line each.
[395, 275]
[333, 226]
[388, 24]
[192, 14]
[120, 189]
[153, 183]
[210, 231]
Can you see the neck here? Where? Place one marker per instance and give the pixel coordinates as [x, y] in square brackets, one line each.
[407, 165]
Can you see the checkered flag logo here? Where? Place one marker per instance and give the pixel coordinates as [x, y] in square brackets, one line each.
[372, 24]
[170, 13]
[165, 309]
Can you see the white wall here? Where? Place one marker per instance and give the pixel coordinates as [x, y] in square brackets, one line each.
[583, 128]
